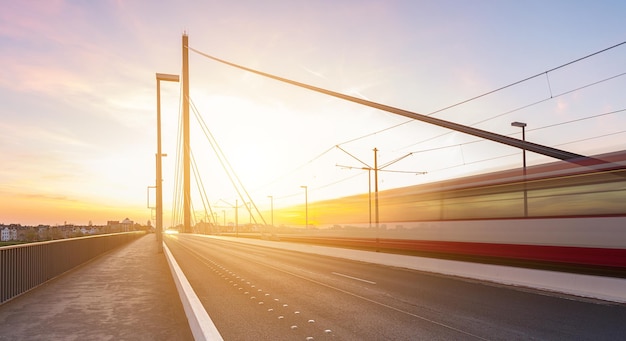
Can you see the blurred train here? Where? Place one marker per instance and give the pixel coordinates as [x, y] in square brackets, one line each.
[574, 220]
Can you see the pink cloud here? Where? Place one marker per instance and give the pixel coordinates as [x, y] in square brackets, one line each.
[25, 77]
[20, 19]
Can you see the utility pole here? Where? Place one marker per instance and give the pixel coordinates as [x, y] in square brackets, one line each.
[376, 169]
[186, 164]
[376, 190]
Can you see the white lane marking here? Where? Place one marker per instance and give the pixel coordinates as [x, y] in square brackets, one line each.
[329, 331]
[355, 278]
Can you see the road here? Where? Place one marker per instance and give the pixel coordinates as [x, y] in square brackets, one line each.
[253, 292]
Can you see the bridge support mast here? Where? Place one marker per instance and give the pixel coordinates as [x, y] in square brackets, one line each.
[186, 165]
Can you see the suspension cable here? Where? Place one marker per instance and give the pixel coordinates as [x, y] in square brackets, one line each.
[232, 175]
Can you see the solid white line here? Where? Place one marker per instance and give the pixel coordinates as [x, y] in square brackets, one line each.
[355, 278]
[200, 323]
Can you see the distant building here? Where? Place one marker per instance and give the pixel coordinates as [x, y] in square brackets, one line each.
[8, 234]
[125, 226]
[128, 224]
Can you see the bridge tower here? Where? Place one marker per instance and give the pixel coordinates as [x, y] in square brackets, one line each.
[186, 165]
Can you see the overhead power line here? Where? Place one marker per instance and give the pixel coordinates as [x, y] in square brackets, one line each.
[529, 78]
[497, 90]
[522, 107]
[533, 129]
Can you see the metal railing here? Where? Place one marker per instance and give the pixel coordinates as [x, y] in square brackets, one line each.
[24, 267]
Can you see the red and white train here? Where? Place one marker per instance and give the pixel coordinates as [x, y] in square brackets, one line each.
[575, 218]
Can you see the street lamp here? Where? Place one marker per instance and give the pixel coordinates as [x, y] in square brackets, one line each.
[272, 208]
[523, 126]
[159, 178]
[306, 206]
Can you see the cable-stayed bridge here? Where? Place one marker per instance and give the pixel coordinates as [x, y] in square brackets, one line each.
[531, 252]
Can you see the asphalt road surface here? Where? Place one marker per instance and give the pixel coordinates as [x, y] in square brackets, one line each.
[259, 293]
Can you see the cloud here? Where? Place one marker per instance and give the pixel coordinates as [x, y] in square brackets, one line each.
[22, 76]
[20, 20]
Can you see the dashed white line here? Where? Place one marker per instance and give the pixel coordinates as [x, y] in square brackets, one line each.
[354, 278]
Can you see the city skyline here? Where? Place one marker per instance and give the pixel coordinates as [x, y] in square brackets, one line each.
[78, 124]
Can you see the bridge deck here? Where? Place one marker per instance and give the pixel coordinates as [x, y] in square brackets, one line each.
[126, 294]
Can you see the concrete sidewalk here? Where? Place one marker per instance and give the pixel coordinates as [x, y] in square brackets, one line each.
[127, 294]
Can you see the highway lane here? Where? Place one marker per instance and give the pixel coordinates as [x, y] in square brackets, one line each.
[253, 292]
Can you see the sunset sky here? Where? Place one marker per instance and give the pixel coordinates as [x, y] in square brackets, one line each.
[78, 95]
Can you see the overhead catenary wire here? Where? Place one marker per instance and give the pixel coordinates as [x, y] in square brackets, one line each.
[492, 92]
[521, 108]
[459, 145]
[513, 154]
[533, 129]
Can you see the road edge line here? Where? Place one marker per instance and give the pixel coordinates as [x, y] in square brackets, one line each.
[202, 327]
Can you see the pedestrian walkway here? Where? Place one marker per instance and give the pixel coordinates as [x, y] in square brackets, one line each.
[127, 294]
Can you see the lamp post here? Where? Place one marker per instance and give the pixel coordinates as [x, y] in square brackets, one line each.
[159, 178]
[272, 208]
[523, 126]
[306, 206]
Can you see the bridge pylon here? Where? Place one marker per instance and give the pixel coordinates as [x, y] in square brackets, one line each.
[186, 164]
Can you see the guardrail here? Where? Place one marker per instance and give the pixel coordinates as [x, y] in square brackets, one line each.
[24, 267]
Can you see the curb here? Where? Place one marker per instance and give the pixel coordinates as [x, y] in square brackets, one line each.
[588, 286]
